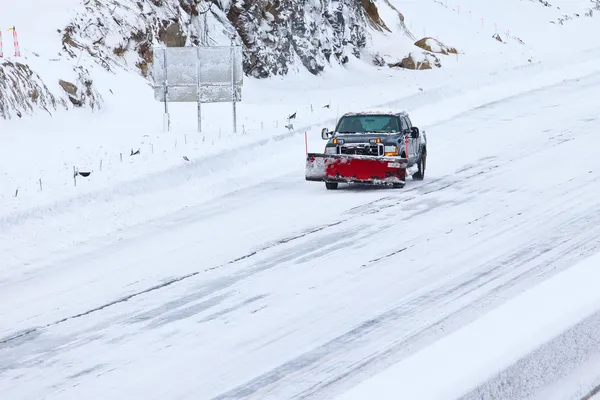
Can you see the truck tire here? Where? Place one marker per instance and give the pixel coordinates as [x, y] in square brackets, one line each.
[331, 185]
[421, 164]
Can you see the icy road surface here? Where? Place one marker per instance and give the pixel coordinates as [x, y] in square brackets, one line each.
[336, 286]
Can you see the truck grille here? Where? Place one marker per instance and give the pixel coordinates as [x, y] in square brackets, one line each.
[363, 150]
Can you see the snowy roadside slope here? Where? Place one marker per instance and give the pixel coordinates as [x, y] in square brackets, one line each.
[525, 27]
[99, 149]
[566, 367]
[475, 353]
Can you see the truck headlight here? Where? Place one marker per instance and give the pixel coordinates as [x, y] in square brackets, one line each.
[390, 150]
[330, 150]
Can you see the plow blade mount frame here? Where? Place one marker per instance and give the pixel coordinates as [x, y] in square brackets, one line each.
[349, 168]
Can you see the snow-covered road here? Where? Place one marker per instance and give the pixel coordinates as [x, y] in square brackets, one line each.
[328, 288]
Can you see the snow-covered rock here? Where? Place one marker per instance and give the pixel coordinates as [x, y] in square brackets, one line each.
[419, 61]
[82, 92]
[435, 46]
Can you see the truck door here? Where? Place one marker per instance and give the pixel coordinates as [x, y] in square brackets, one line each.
[403, 128]
[412, 143]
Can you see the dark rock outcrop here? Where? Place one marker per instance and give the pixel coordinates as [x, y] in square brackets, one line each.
[172, 35]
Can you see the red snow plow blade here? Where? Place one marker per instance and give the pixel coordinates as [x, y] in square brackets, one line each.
[346, 168]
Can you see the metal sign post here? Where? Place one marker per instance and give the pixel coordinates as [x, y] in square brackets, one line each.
[199, 91]
[166, 118]
[233, 92]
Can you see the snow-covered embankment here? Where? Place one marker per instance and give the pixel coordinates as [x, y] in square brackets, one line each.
[552, 322]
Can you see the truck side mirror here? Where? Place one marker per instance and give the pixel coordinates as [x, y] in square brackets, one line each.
[414, 132]
[325, 134]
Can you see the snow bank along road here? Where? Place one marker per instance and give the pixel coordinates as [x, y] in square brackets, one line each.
[560, 312]
[283, 290]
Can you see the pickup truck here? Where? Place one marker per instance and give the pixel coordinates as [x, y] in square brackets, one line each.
[370, 147]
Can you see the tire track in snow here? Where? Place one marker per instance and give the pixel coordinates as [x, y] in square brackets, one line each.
[541, 257]
[323, 357]
[434, 186]
[22, 334]
[561, 252]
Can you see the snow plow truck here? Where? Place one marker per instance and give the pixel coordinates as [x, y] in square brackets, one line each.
[371, 147]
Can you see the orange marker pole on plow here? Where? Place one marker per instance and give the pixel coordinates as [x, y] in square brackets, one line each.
[306, 142]
[406, 147]
[1, 46]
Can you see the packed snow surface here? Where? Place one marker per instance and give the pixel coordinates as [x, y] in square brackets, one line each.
[219, 296]
[206, 267]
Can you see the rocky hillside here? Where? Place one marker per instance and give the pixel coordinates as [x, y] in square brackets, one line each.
[311, 33]
[277, 34]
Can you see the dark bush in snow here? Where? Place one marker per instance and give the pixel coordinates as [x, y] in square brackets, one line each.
[22, 91]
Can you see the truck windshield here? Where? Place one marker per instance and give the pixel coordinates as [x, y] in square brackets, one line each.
[368, 124]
